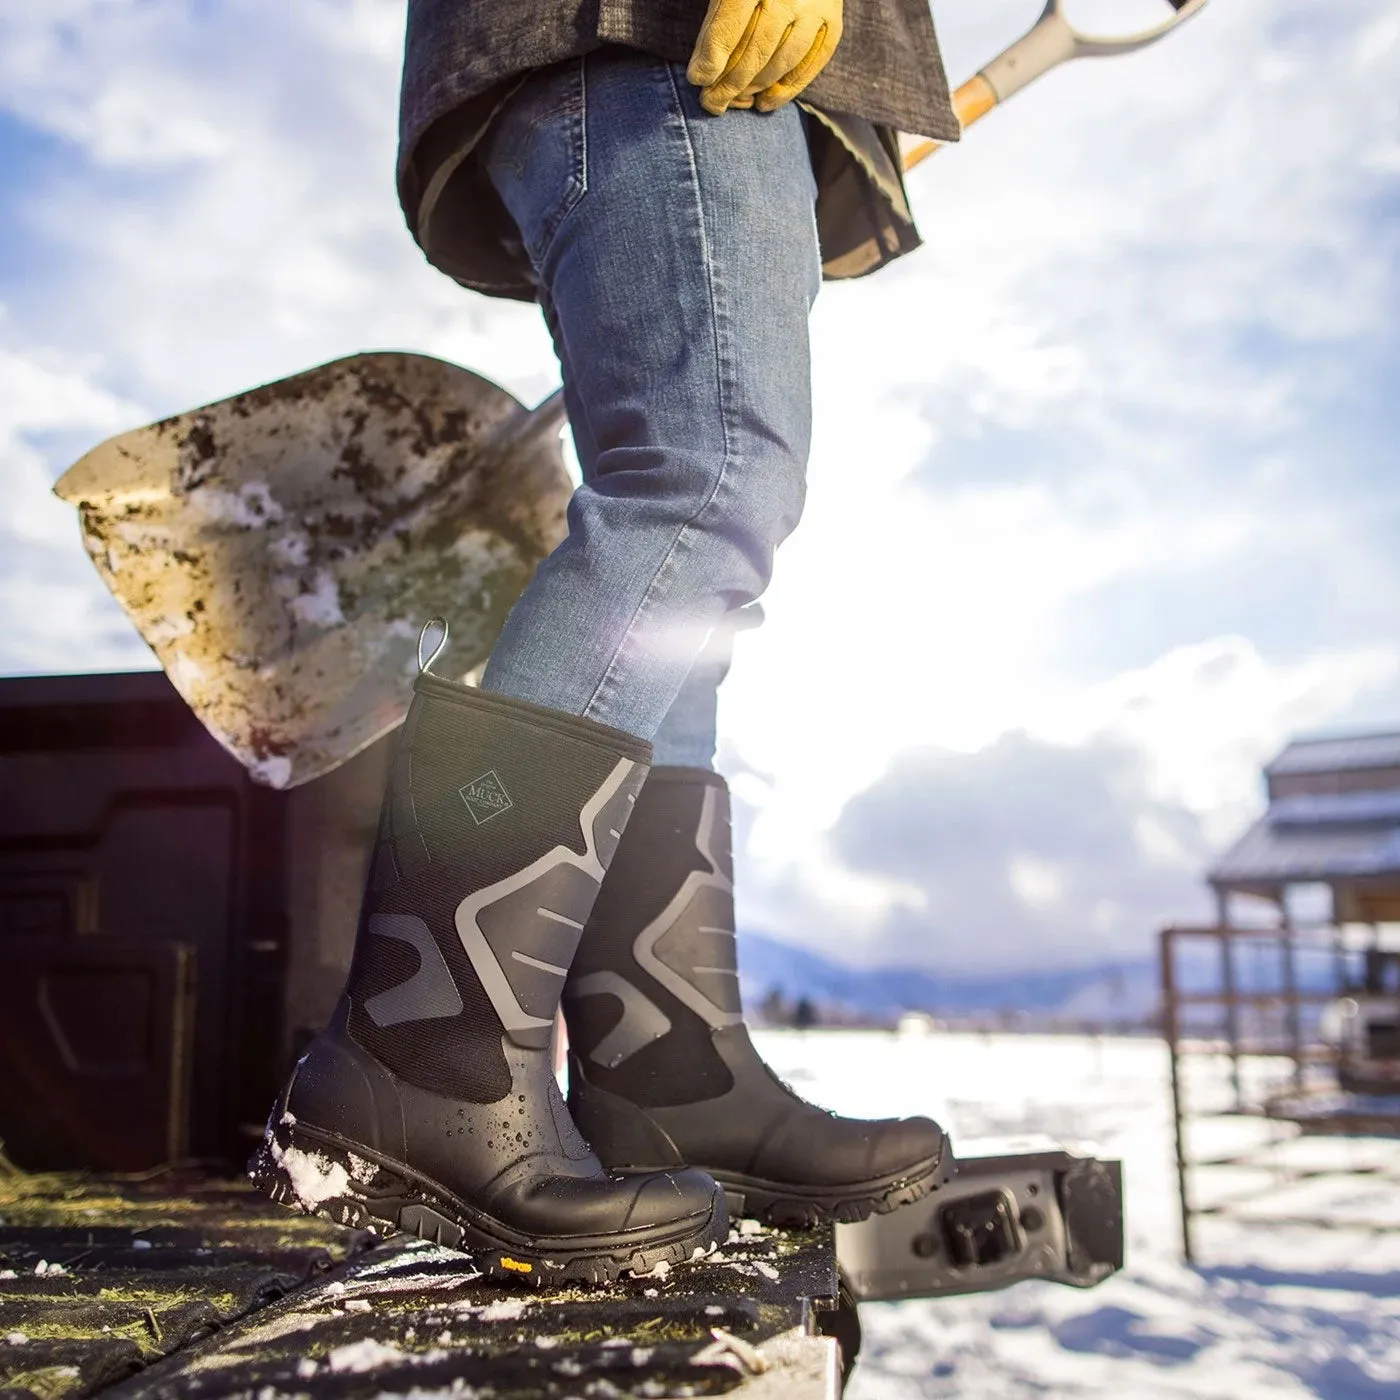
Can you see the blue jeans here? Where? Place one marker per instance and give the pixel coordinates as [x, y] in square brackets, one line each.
[677, 260]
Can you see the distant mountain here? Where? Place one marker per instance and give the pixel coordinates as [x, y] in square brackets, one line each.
[1126, 991]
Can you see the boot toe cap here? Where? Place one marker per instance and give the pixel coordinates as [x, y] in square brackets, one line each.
[899, 1143]
[825, 1151]
[682, 1194]
[606, 1204]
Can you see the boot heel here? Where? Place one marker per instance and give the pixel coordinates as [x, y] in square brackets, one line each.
[319, 1178]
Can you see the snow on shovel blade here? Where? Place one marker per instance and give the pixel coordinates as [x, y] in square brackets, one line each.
[280, 550]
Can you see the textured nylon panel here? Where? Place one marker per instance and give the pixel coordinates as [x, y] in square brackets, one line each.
[432, 853]
[660, 850]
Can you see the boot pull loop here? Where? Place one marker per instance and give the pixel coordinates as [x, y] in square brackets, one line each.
[437, 650]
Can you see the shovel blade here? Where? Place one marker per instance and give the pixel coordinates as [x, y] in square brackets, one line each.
[280, 550]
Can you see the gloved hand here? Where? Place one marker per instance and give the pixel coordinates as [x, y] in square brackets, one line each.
[765, 51]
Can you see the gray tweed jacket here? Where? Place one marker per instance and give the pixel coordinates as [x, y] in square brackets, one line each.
[886, 76]
[887, 67]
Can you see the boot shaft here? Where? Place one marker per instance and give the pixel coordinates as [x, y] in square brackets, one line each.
[656, 975]
[498, 824]
[662, 1070]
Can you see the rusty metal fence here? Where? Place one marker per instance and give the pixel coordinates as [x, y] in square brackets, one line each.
[1251, 1018]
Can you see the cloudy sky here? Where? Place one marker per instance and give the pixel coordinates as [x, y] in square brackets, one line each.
[1104, 501]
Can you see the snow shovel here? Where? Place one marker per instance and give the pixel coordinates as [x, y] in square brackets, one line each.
[279, 550]
[1051, 41]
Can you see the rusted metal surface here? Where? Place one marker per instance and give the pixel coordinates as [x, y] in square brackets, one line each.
[281, 549]
[410, 1318]
[100, 1277]
[177, 1287]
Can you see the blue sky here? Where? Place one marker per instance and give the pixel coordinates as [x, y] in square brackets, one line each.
[1103, 498]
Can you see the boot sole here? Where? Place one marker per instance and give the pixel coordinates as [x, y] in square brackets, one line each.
[799, 1207]
[348, 1184]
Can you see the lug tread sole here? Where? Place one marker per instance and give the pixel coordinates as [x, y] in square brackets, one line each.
[415, 1211]
[788, 1207]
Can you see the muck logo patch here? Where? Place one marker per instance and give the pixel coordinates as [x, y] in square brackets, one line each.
[486, 797]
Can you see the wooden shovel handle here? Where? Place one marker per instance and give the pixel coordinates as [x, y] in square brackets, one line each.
[1049, 42]
[971, 102]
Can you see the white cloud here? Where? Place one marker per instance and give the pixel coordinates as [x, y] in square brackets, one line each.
[1119, 375]
[56, 617]
[1092, 467]
[1077, 830]
[1036, 883]
[1207, 717]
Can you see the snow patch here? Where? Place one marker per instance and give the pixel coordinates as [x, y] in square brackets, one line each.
[459, 1389]
[364, 1355]
[15, 1339]
[293, 550]
[318, 606]
[314, 1177]
[273, 772]
[306, 1368]
[767, 1270]
[504, 1310]
[250, 507]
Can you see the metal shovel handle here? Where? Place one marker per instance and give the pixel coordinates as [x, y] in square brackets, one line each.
[533, 425]
[1051, 41]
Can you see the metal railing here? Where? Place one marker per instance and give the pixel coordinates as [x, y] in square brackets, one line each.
[1252, 1005]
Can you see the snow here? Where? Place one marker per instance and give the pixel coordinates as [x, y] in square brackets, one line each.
[318, 606]
[273, 771]
[1279, 1312]
[315, 1177]
[364, 1355]
[501, 1310]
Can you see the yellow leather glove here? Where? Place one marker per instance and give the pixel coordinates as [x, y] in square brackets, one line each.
[762, 51]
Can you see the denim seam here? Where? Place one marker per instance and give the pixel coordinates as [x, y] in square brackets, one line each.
[577, 186]
[608, 681]
[551, 316]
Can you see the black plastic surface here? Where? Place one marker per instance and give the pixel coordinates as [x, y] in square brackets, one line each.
[126, 831]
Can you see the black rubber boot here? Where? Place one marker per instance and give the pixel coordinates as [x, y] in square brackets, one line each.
[661, 1068]
[429, 1104]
